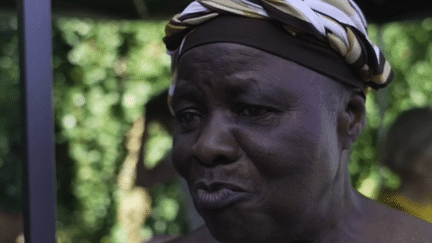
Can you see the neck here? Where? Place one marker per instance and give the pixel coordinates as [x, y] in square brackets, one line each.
[344, 214]
[349, 222]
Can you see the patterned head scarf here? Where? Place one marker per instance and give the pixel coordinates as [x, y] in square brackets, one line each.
[323, 35]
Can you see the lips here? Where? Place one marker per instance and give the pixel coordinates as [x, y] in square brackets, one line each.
[218, 195]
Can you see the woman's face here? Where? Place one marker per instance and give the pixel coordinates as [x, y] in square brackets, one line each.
[256, 142]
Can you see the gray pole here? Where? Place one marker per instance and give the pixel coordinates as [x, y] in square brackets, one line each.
[35, 46]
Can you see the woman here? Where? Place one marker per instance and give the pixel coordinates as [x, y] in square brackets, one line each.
[268, 98]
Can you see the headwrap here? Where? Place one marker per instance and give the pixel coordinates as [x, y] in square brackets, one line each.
[327, 36]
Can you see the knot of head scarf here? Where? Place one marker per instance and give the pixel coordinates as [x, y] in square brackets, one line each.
[339, 24]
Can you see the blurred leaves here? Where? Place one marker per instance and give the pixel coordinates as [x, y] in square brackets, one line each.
[408, 47]
[10, 110]
[158, 145]
[108, 70]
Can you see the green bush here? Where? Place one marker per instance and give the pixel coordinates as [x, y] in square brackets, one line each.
[408, 47]
[105, 72]
[10, 132]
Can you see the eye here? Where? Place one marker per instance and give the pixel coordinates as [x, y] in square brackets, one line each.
[253, 110]
[188, 118]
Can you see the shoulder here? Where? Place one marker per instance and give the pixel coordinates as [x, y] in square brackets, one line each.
[412, 229]
[387, 224]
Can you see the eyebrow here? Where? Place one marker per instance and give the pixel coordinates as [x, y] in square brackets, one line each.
[255, 90]
[249, 88]
[188, 93]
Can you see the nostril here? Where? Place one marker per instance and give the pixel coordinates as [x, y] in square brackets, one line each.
[221, 159]
[208, 161]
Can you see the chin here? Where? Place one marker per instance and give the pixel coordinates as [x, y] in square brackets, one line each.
[231, 235]
[231, 226]
[228, 227]
[244, 235]
[229, 230]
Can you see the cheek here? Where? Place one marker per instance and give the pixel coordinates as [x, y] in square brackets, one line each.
[283, 151]
[297, 167]
[295, 156]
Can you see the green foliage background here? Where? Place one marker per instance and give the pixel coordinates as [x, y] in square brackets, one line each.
[408, 47]
[10, 133]
[104, 73]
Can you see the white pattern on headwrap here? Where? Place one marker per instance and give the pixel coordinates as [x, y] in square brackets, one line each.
[316, 11]
[194, 7]
[259, 9]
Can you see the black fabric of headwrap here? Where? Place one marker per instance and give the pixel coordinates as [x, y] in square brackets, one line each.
[270, 37]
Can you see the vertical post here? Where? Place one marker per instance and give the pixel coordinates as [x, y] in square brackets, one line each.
[35, 46]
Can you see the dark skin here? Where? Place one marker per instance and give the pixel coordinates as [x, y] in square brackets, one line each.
[273, 128]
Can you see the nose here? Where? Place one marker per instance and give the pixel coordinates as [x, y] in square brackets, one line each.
[216, 143]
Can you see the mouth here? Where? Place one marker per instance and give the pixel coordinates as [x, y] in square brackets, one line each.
[218, 195]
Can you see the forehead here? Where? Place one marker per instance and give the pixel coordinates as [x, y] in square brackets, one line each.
[224, 51]
[230, 57]
[239, 67]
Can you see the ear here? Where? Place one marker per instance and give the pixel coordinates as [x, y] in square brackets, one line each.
[351, 120]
